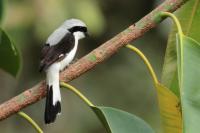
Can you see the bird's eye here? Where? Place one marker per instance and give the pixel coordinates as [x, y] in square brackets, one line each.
[84, 29]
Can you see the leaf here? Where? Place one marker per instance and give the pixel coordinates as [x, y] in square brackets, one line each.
[189, 75]
[169, 106]
[118, 121]
[189, 18]
[9, 55]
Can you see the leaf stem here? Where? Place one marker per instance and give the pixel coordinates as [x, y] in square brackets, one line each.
[146, 61]
[31, 121]
[176, 22]
[77, 92]
[179, 47]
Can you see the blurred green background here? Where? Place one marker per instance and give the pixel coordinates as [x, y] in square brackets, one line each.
[122, 81]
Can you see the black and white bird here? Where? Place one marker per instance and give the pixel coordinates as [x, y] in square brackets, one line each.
[57, 53]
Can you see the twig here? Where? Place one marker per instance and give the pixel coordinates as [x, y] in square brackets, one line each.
[89, 61]
[145, 60]
[77, 92]
[31, 121]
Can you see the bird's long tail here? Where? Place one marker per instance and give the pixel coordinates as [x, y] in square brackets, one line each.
[53, 97]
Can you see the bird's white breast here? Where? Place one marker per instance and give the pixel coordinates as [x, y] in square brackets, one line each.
[69, 57]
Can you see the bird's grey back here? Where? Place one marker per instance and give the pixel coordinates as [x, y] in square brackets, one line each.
[56, 36]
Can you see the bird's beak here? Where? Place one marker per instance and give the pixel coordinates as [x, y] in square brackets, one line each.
[86, 34]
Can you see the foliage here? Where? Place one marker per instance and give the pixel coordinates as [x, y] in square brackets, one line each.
[188, 16]
[11, 62]
[117, 121]
[187, 68]
[9, 55]
[189, 74]
[168, 102]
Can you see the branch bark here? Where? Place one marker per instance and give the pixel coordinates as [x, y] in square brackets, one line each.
[89, 61]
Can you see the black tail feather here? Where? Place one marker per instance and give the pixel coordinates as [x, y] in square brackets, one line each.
[51, 110]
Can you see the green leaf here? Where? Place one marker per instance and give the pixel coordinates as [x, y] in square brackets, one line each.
[118, 121]
[9, 55]
[169, 107]
[189, 75]
[189, 18]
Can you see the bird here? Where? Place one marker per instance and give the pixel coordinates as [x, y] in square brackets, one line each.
[56, 54]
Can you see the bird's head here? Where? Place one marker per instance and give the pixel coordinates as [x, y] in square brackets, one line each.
[77, 27]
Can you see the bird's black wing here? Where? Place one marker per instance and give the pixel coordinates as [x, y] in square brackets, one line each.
[52, 54]
[44, 51]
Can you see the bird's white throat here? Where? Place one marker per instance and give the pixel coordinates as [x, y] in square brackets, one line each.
[78, 35]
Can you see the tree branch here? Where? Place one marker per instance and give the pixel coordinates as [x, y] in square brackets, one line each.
[89, 61]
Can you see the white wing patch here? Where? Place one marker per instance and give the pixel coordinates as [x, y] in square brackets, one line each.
[61, 55]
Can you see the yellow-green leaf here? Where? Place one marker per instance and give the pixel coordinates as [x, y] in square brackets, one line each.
[169, 106]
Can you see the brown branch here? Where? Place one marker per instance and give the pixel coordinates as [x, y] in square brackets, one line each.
[86, 63]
